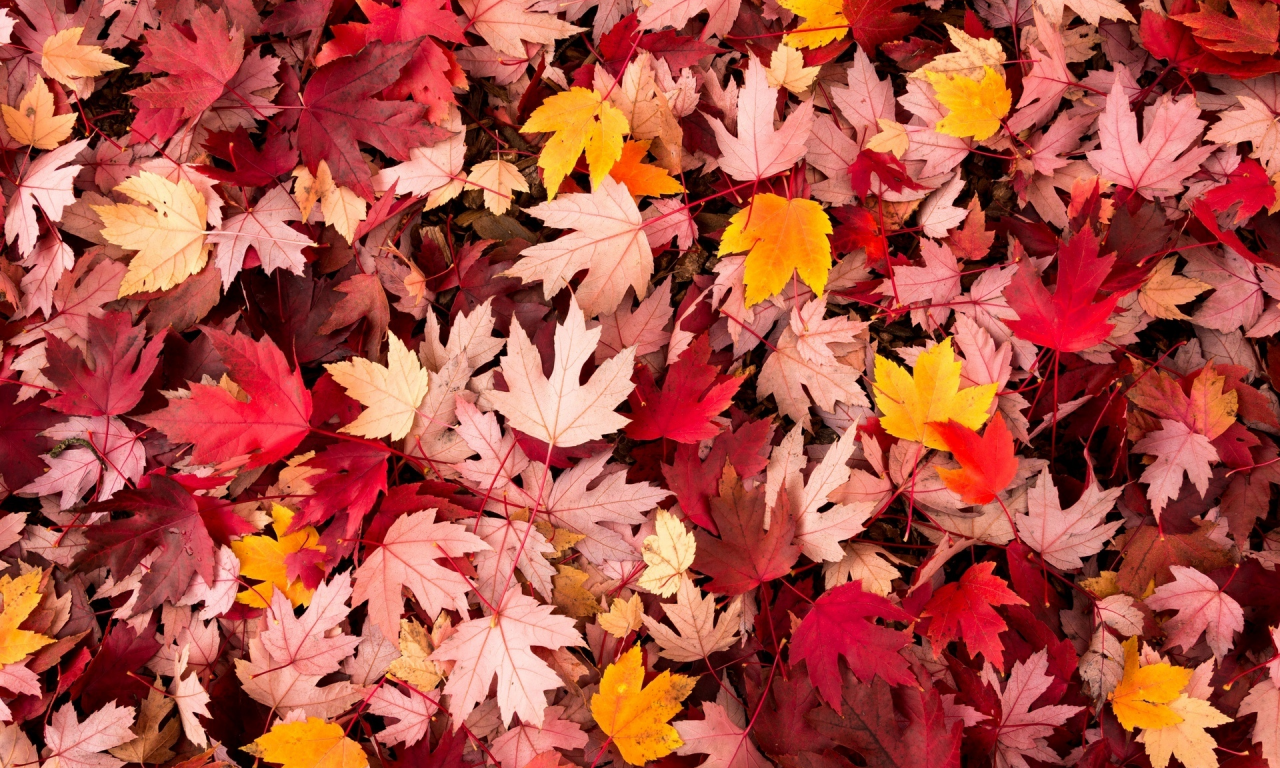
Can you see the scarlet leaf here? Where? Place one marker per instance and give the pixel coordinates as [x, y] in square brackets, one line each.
[872, 22]
[1073, 318]
[746, 555]
[987, 462]
[109, 381]
[965, 610]
[692, 394]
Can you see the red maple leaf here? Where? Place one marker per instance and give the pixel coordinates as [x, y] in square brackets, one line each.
[222, 427]
[873, 22]
[1072, 318]
[692, 394]
[746, 555]
[108, 382]
[432, 73]
[164, 518]
[841, 623]
[1247, 185]
[966, 610]
[253, 167]
[339, 112]
[351, 477]
[1254, 29]
[859, 228]
[695, 480]
[870, 724]
[987, 463]
[887, 168]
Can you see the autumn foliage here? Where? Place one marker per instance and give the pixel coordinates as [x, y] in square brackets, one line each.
[695, 383]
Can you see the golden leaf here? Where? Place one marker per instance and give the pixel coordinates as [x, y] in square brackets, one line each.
[635, 715]
[33, 123]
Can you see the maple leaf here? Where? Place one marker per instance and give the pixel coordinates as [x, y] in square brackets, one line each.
[966, 609]
[1186, 740]
[500, 180]
[580, 120]
[781, 237]
[507, 24]
[1065, 537]
[759, 151]
[642, 179]
[842, 623]
[1206, 409]
[668, 553]
[264, 558]
[46, 183]
[72, 743]
[107, 378]
[745, 555]
[1178, 450]
[987, 462]
[34, 123]
[824, 22]
[523, 744]
[312, 743]
[692, 395]
[339, 113]
[21, 596]
[64, 59]
[1141, 699]
[1254, 29]
[976, 108]
[1163, 291]
[499, 644]
[303, 642]
[197, 70]
[1159, 163]
[264, 228]
[1022, 732]
[222, 426]
[391, 394]
[722, 736]
[434, 172]
[1071, 319]
[1202, 608]
[698, 632]
[1263, 700]
[167, 230]
[558, 410]
[930, 393]
[609, 242]
[407, 558]
[869, 723]
[873, 22]
[635, 715]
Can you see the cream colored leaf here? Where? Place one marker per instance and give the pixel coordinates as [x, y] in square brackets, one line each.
[33, 123]
[668, 553]
[623, 617]
[1164, 291]
[498, 179]
[697, 633]
[65, 60]
[874, 567]
[391, 393]
[972, 56]
[787, 70]
[1186, 740]
[167, 230]
[892, 138]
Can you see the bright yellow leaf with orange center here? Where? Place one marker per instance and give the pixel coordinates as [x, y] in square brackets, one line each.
[1143, 696]
[310, 744]
[931, 392]
[824, 22]
[21, 596]
[976, 107]
[642, 179]
[262, 558]
[780, 236]
[634, 715]
[579, 121]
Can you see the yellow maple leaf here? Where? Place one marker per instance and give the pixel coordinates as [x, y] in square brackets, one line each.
[262, 558]
[579, 120]
[668, 553]
[623, 616]
[824, 22]
[780, 236]
[976, 107]
[166, 230]
[33, 123]
[415, 666]
[1144, 693]
[642, 179]
[65, 60]
[391, 393]
[633, 715]
[1186, 740]
[341, 208]
[310, 744]
[787, 70]
[20, 596]
[931, 392]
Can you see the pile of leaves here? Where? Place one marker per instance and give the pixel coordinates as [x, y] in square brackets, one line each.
[722, 383]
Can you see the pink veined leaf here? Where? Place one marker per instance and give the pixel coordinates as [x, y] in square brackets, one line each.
[1178, 451]
[1064, 537]
[117, 457]
[45, 182]
[265, 228]
[1203, 608]
[1048, 80]
[412, 711]
[759, 151]
[717, 735]
[516, 747]
[641, 327]
[72, 743]
[1022, 731]
[303, 642]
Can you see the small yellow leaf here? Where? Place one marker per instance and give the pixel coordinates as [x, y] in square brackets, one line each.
[824, 22]
[909, 401]
[167, 231]
[1164, 291]
[635, 715]
[391, 393]
[312, 744]
[1142, 698]
[20, 596]
[780, 236]
[642, 179]
[65, 60]
[892, 138]
[668, 553]
[33, 123]
[569, 594]
[498, 179]
[415, 666]
[787, 70]
[1186, 740]
[976, 108]
[340, 207]
[579, 120]
[623, 617]
[262, 558]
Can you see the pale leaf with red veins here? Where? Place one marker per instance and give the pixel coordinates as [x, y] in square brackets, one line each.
[1177, 451]
[1203, 608]
[721, 738]
[1065, 537]
[265, 228]
[306, 642]
[760, 151]
[1023, 732]
[516, 747]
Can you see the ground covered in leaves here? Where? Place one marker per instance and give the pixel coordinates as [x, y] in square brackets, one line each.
[724, 383]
